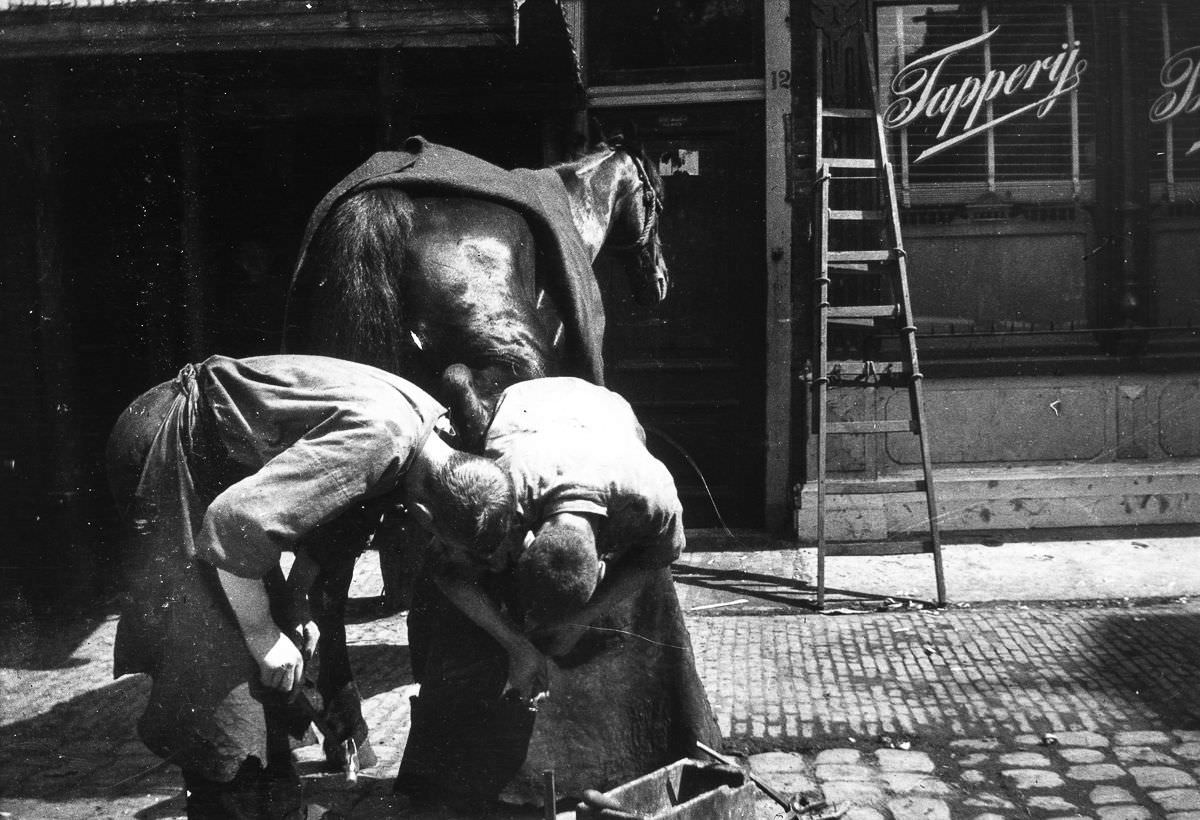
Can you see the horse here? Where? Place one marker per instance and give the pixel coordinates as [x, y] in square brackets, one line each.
[413, 280]
[465, 291]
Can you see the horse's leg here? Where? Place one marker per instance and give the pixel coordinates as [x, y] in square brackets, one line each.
[468, 406]
[401, 545]
[335, 547]
[351, 303]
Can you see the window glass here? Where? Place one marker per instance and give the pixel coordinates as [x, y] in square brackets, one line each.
[989, 97]
[1172, 32]
[632, 41]
[1169, 37]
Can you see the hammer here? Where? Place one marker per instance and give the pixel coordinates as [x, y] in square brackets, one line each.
[609, 809]
[770, 792]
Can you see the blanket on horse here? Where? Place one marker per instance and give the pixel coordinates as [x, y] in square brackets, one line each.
[427, 168]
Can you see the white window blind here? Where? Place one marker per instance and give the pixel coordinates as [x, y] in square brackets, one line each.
[988, 97]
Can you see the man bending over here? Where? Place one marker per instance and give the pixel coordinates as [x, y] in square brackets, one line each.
[590, 588]
[218, 471]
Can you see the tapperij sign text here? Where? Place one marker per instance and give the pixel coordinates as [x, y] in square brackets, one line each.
[920, 91]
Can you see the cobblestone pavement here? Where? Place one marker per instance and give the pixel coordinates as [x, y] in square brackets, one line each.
[1054, 710]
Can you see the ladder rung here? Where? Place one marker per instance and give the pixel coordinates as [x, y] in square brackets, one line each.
[869, 428]
[848, 113]
[850, 162]
[863, 312]
[862, 256]
[907, 547]
[855, 268]
[855, 215]
[858, 370]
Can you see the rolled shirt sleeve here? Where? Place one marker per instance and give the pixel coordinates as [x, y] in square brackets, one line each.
[647, 526]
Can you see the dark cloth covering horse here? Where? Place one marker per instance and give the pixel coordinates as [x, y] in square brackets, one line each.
[465, 278]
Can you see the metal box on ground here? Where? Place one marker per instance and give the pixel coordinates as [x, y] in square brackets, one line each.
[684, 790]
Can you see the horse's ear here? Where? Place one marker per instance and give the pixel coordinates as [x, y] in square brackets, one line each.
[597, 132]
[627, 138]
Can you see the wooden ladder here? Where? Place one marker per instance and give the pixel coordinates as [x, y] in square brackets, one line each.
[886, 263]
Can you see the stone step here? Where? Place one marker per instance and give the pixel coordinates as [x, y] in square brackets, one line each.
[1014, 498]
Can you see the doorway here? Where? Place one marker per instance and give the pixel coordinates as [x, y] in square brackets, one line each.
[693, 367]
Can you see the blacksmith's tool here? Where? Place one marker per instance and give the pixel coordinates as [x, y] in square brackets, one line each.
[549, 795]
[758, 781]
[306, 700]
[609, 809]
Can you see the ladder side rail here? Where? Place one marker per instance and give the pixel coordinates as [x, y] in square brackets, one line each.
[823, 313]
[820, 295]
[819, 103]
[821, 367]
[908, 330]
[916, 391]
[892, 210]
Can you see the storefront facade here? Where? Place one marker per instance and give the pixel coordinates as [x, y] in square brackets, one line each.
[1045, 163]
[163, 160]
[1044, 156]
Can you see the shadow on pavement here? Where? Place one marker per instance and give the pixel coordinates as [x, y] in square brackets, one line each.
[1152, 658]
[42, 643]
[770, 589]
[77, 749]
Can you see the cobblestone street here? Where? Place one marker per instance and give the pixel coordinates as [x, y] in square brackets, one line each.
[1050, 709]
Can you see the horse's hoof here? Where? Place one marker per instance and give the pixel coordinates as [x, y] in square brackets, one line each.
[341, 757]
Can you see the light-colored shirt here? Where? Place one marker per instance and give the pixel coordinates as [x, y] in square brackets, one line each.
[571, 446]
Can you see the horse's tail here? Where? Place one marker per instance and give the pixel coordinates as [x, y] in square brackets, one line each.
[353, 280]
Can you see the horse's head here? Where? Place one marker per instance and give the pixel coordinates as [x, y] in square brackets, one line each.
[635, 223]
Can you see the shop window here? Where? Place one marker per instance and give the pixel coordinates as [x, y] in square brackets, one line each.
[1174, 106]
[1170, 34]
[991, 98]
[632, 41]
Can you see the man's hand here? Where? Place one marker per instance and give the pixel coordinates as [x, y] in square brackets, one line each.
[280, 664]
[528, 675]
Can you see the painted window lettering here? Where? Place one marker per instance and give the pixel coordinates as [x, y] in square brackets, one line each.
[1178, 79]
[920, 93]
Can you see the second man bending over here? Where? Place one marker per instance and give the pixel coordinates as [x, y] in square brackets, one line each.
[602, 522]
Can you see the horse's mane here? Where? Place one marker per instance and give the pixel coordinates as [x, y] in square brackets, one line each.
[632, 146]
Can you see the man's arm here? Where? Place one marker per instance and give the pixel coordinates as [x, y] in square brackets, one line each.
[624, 577]
[620, 583]
[279, 662]
[527, 673]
